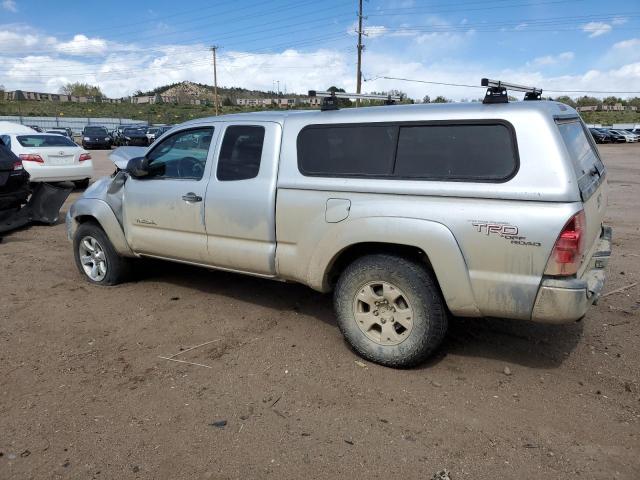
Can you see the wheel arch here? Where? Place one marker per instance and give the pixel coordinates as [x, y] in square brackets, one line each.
[426, 242]
[95, 210]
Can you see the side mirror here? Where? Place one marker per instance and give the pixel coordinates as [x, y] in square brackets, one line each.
[138, 167]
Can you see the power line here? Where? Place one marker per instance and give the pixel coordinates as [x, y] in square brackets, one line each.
[478, 86]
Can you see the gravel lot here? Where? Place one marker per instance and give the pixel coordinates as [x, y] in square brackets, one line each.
[84, 394]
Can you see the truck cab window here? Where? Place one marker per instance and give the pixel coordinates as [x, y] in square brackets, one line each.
[181, 156]
[240, 153]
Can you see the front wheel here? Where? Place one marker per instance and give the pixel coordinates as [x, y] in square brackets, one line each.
[390, 310]
[96, 258]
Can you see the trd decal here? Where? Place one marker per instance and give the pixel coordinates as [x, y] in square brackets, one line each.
[502, 230]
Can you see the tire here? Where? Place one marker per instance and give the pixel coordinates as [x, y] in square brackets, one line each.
[382, 277]
[82, 184]
[116, 269]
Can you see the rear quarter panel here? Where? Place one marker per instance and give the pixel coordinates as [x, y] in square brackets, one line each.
[488, 255]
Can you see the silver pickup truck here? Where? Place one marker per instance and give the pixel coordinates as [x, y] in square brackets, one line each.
[408, 213]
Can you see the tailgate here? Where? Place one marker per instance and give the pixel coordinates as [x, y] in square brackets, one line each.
[591, 177]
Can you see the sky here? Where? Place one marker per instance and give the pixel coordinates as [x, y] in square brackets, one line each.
[572, 46]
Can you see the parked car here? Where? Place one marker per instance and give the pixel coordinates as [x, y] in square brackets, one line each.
[600, 137]
[51, 158]
[630, 131]
[19, 203]
[152, 133]
[629, 137]
[96, 137]
[135, 136]
[36, 128]
[615, 137]
[407, 213]
[65, 130]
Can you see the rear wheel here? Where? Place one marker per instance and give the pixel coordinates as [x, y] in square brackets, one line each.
[96, 258]
[390, 310]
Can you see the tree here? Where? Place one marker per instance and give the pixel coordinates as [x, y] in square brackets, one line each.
[342, 102]
[441, 99]
[611, 100]
[588, 101]
[79, 89]
[426, 99]
[566, 100]
[227, 101]
[634, 102]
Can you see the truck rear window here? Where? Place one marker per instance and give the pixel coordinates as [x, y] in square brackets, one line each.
[474, 151]
[582, 151]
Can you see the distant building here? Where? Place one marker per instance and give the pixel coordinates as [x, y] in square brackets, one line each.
[280, 102]
[618, 107]
[56, 97]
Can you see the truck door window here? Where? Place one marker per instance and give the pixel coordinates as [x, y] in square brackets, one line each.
[182, 155]
[240, 153]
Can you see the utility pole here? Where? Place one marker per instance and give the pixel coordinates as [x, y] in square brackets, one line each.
[215, 79]
[360, 48]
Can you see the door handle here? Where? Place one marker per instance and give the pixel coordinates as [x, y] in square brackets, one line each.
[191, 197]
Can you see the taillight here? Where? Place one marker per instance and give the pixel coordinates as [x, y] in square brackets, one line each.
[31, 157]
[566, 256]
[17, 165]
[84, 156]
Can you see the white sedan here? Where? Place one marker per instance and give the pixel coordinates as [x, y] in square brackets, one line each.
[629, 137]
[50, 157]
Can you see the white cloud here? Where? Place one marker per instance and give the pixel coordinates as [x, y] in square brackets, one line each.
[374, 31]
[10, 5]
[619, 21]
[553, 59]
[122, 69]
[82, 45]
[627, 44]
[595, 29]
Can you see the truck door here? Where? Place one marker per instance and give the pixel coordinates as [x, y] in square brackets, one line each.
[163, 212]
[240, 200]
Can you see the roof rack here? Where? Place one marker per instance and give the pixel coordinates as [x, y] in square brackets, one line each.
[497, 91]
[330, 99]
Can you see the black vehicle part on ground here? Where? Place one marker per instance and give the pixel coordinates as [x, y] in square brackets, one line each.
[43, 207]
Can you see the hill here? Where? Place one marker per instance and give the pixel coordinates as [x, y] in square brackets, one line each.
[202, 90]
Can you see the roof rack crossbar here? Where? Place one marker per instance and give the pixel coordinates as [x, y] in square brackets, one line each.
[497, 91]
[330, 99]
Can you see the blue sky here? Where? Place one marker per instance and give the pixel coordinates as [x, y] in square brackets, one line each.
[126, 46]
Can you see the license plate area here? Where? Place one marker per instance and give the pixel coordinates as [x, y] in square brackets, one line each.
[60, 160]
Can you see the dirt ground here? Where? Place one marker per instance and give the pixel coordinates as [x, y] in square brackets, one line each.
[84, 394]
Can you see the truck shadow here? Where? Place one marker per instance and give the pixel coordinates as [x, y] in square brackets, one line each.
[516, 341]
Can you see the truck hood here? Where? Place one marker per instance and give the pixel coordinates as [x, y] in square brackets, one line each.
[121, 156]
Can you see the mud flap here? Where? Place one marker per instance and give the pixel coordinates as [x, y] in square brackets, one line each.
[43, 207]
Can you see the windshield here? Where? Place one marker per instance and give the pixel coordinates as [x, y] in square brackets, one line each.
[134, 131]
[45, 141]
[95, 131]
[152, 130]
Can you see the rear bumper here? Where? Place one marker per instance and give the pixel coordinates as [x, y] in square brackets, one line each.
[567, 300]
[60, 173]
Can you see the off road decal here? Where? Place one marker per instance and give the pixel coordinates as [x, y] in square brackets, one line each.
[503, 230]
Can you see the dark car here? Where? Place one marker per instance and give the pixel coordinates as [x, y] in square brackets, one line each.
[96, 137]
[600, 137]
[36, 128]
[118, 134]
[19, 204]
[615, 137]
[133, 136]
